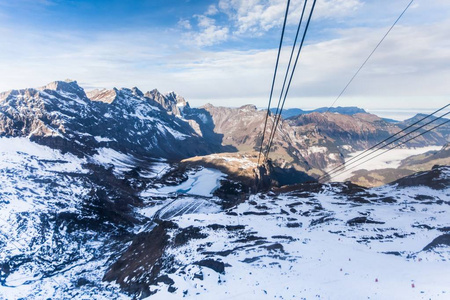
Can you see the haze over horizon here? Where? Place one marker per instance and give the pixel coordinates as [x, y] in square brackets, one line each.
[223, 52]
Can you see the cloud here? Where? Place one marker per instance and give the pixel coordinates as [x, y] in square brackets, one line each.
[185, 24]
[412, 67]
[212, 10]
[208, 32]
[252, 18]
[336, 8]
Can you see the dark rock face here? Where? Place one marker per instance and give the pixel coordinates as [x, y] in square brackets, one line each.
[215, 265]
[434, 179]
[139, 266]
[442, 240]
[186, 234]
[61, 115]
[362, 220]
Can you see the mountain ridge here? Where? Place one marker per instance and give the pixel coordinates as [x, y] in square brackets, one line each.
[155, 125]
[60, 114]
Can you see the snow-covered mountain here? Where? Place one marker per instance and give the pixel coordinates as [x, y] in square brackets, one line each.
[154, 125]
[62, 218]
[62, 116]
[95, 205]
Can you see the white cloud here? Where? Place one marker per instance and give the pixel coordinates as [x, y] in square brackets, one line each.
[336, 8]
[411, 68]
[212, 10]
[211, 35]
[250, 16]
[208, 33]
[257, 17]
[185, 24]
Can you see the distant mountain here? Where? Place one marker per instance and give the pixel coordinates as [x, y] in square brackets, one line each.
[289, 112]
[351, 110]
[439, 136]
[241, 128]
[390, 120]
[426, 161]
[293, 112]
[363, 130]
[309, 142]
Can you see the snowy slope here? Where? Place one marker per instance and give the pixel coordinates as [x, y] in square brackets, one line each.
[332, 241]
[99, 228]
[61, 220]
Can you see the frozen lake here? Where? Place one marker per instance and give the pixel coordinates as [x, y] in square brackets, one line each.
[201, 183]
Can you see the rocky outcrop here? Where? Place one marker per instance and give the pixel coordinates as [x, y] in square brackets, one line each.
[171, 102]
[437, 178]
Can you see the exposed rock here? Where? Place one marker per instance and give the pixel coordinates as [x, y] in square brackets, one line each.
[434, 179]
[187, 234]
[362, 220]
[440, 241]
[138, 267]
[215, 265]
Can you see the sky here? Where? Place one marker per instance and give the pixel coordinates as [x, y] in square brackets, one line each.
[224, 51]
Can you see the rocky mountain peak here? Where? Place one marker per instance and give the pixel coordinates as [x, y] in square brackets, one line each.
[4, 95]
[173, 98]
[248, 107]
[137, 92]
[156, 96]
[68, 86]
[103, 95]
[171, 102]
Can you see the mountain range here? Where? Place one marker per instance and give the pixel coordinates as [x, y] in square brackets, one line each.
[295, 112]
[120, 194]
[152, 125]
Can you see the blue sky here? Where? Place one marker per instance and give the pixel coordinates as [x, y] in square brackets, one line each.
[223, 51]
